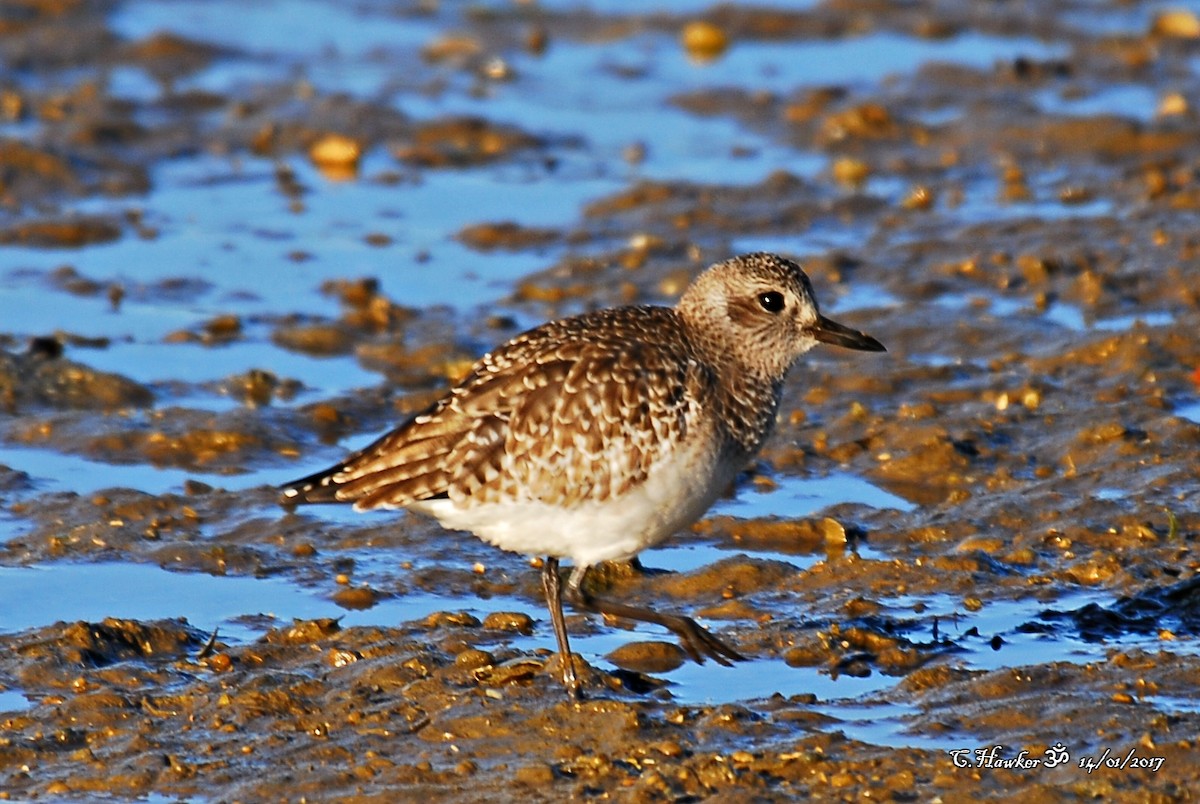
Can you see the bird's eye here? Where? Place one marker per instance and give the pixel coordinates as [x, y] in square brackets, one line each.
[771, 301]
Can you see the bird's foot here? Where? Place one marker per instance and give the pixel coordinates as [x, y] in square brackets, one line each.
[699, 642]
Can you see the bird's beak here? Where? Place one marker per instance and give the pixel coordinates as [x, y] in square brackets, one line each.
[832, 332]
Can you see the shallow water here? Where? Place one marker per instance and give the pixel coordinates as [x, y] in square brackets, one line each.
[1127, 100]
[91, 592]
[224, 219]
[12, 700]
[883, 724]
[51, 470]
[241, 608]
[798, 497]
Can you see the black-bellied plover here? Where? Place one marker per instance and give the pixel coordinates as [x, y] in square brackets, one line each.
[594, 437]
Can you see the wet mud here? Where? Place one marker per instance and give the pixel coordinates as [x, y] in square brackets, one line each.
[1023, 574]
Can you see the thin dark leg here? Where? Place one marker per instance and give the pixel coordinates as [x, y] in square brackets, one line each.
[552, 585]
[697, 641]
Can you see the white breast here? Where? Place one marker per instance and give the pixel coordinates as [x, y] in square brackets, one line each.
[678, 490]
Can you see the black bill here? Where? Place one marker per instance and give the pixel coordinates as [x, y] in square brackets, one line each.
[832, 332]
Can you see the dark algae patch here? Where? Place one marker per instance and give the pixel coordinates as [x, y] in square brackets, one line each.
[232, 249]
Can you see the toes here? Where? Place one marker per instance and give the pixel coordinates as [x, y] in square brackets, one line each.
[699, 643]
[692, 651]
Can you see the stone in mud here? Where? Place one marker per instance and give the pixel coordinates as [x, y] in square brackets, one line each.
[798, 536]
[505, 235]
[356, 597]
[458, 142]
[516, 621]
[37, 377]
[736, 576]
[64, 233]
[648, 657]
[315, 339]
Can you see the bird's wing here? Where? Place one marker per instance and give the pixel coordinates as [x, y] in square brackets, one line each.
[565, 413]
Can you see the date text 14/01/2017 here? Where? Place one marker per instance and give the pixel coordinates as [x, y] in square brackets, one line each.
[992, 756]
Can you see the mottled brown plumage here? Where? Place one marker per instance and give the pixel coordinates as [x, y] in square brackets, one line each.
[574, 410]
[593, 437]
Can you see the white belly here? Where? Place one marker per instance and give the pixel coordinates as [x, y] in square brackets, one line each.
[677, 491]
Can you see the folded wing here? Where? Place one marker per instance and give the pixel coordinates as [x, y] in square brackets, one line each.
[550, 416]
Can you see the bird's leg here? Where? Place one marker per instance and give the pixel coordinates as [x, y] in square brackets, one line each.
[552, 585]
[697, 641]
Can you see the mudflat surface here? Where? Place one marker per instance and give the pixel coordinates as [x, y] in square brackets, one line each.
[235, 243]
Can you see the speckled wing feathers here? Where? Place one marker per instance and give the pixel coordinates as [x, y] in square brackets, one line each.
[574, 410]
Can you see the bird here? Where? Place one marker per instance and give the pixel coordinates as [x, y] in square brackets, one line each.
[593, 437]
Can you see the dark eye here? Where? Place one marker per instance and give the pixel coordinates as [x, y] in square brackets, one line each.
[771, 301]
